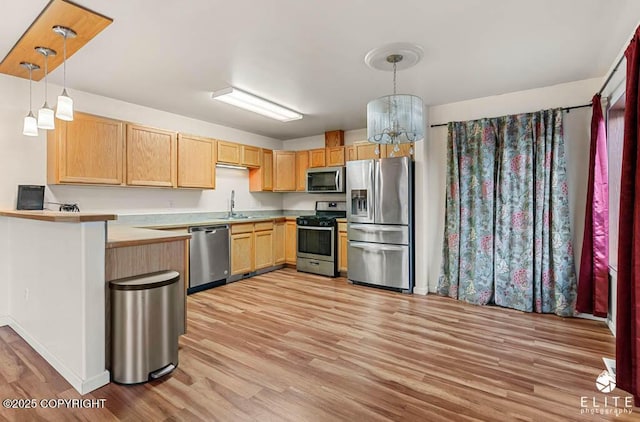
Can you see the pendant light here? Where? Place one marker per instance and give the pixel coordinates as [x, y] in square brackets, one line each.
[45, 114]
[64, 109]
[30, 127]
[398, 118]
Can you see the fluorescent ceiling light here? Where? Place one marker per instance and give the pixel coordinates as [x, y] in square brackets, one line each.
[250, 102]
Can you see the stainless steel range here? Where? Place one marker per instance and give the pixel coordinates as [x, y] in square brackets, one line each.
[318, 240]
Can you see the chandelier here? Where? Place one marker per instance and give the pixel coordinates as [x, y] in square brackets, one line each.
[398, 118]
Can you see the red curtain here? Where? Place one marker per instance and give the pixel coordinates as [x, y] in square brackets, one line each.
[628, 317]
[593, 284]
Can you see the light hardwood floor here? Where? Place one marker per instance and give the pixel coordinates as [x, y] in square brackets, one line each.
[297, 347]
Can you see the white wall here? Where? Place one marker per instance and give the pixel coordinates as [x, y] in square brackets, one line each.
[4, 271]
[23, 160]
[576, 131]
[56, 295]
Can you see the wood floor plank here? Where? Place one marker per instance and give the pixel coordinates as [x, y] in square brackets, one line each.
[289, 346]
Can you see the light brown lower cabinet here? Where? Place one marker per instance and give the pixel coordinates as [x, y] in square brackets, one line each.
[252, 247]
[279, 249]
[291, 242]
[242, 248]
[343, 246]
[263, 244]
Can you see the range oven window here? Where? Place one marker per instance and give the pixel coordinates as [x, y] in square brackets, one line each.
[315, 241]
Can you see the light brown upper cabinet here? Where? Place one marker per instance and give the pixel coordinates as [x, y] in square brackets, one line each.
[302, 164]
[367, 150]
[88, 150]
[284, 168]
[317, 158]
[229, 153]
[151, 156]
[250, 156]
[334, 138]
[405, 150]
[350, 153]
[261, 179]
[335, 156]
[196, 162]
[238, 154]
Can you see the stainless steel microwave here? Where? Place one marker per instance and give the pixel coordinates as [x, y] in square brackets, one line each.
[326, 180]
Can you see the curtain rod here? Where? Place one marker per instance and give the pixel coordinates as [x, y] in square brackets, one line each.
[613, 72]
[567, 109]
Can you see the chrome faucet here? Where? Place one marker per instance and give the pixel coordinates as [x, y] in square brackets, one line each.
[232, 203]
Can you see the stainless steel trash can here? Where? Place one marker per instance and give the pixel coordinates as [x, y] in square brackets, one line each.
[144, 326]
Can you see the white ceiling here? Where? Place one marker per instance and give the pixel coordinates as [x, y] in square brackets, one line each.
[309, 55]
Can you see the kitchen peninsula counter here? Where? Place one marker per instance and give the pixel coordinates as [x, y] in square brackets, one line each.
[59, 217]
[54, 266]
[119, 236]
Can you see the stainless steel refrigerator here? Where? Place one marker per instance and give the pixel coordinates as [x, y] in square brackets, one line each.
[380, 222]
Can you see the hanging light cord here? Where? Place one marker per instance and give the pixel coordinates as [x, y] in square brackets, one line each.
[30, 101]
[64, 67]
[46, 58]
[394, 77]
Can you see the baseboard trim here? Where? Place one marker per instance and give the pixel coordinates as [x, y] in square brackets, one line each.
[4, 320]
[95, 382]
[591, 317]
[421, 291]
[81, 386]
[612, 326]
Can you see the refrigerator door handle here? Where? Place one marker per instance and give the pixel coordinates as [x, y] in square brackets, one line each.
[377, 247]
[377, 228]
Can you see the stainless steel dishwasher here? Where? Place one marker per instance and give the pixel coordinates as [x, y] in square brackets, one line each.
[208, 257]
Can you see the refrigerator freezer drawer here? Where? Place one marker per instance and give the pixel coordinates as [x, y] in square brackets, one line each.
[379, 264]
[398, 235]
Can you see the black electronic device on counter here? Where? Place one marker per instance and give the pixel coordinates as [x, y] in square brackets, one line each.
[30, 197]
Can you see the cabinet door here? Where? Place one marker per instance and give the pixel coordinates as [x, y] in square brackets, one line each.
[241, 253]
[284, 168]
[302, 164]
[334, 138]
[251, 156]
[335, 156]
[263, 249]
[261, 179]
[151, 157]
[228, 152]
[87, 150]
[405, 150]
[343, 246]
[291, 243]
[367, 150]
[196, 162]
[317, 158]
[350, 153]
[279, 249]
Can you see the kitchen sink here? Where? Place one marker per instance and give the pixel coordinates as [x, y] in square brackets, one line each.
[235, 217]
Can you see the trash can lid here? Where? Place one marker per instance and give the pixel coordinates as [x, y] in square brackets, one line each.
[145, 281]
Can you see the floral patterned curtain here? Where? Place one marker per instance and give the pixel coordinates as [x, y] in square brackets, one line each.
[507, 237]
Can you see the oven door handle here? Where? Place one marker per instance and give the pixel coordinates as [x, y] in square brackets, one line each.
[314, 228]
